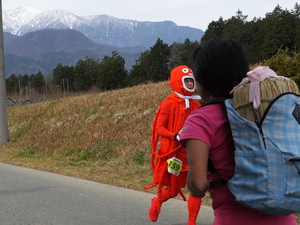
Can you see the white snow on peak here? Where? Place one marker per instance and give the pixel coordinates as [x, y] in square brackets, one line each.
[14, 19]
[99, 28]
[24, 19]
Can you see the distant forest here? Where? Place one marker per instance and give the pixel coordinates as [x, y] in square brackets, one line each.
[273, 40]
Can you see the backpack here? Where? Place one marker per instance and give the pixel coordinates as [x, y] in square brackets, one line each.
[267, 156]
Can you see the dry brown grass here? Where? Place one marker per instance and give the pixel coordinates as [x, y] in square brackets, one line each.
[110, 129]
[103, 137]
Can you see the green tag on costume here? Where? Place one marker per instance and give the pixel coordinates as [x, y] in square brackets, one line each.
[174, 166]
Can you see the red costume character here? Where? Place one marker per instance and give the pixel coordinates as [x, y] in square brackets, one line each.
[169, 162]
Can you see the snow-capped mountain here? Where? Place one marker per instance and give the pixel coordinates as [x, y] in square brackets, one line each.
[36, 40]
[102, 29]
[14, 20]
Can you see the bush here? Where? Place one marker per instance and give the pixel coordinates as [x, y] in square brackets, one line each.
[285, 63]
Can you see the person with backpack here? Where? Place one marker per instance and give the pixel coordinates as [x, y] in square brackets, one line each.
[220, 64]
[169, 161]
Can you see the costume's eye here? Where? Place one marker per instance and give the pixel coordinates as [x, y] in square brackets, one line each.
[185, 70]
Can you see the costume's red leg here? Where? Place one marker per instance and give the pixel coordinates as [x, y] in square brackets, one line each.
[172, 190]
[193, 205]
[152, 213]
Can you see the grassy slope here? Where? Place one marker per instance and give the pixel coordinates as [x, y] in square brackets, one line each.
[102, 137]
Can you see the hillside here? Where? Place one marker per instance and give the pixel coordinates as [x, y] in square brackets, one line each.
[103, 137]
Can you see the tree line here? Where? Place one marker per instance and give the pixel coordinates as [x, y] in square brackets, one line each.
[261, 38]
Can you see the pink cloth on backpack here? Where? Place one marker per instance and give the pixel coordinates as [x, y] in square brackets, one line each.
[256, 76]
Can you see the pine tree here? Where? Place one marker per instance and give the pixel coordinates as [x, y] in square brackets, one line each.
[38, 82]
[85, 74]
[112, 73]
[139, 73]
[159, 61]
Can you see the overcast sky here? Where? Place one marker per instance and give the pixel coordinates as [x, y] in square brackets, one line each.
[193, 13]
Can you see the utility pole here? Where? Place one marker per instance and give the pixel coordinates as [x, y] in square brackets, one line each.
[3, 102]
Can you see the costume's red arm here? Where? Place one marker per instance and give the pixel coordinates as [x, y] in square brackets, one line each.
[163, 120]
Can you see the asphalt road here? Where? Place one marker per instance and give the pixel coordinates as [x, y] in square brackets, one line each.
[32, 197]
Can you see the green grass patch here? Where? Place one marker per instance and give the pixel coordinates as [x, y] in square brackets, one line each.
[140, 158]
[103, 152]
[30, 153]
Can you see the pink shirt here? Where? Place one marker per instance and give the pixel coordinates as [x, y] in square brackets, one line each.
[209, 124]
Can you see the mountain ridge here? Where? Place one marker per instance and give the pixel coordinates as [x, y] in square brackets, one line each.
[37, 40]
[41, 51]
[102, 29]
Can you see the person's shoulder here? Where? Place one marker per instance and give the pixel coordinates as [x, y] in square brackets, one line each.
[207, 110]
[210, 106]
[165, 105]
[169, 100]
[197, 112]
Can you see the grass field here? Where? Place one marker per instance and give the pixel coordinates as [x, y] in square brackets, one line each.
[103, 137]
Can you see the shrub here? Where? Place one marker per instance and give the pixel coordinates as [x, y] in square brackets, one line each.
[285, 63]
